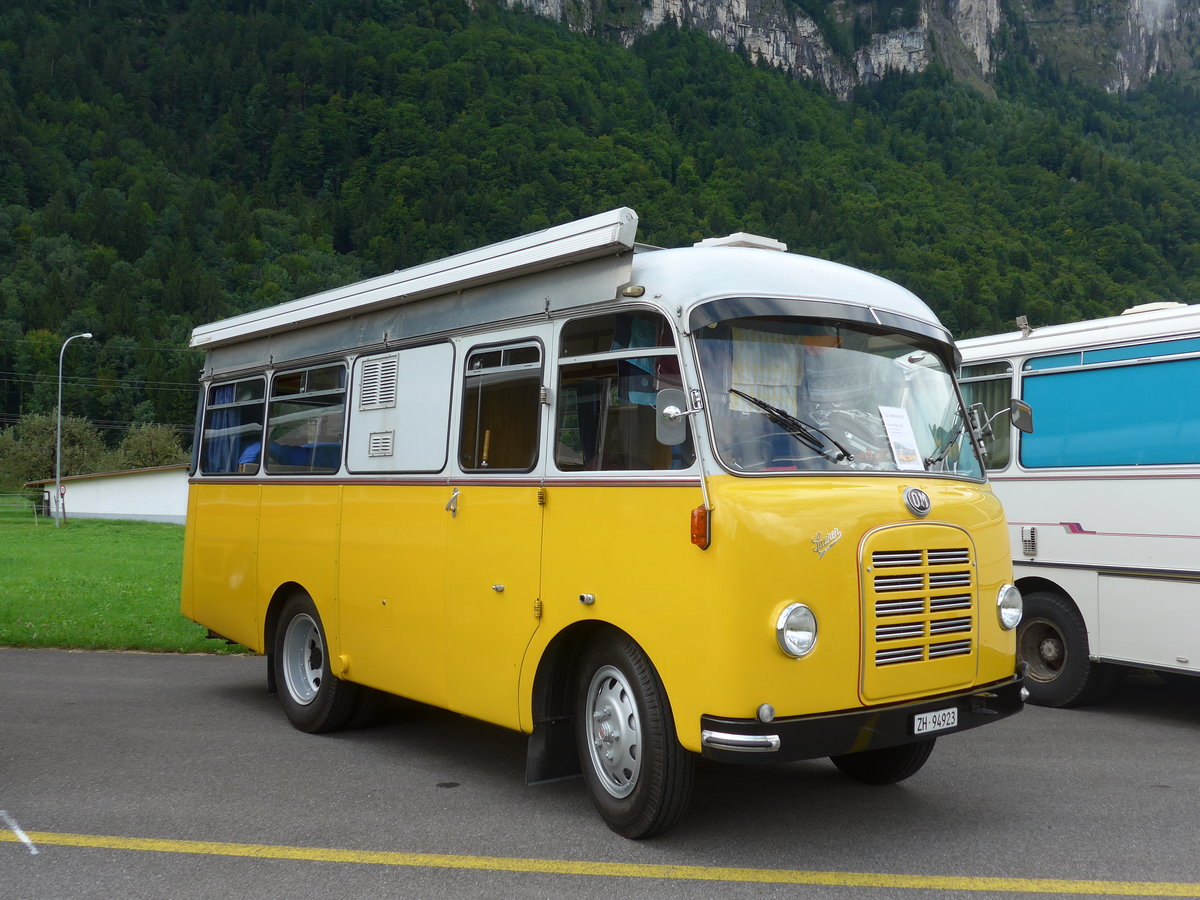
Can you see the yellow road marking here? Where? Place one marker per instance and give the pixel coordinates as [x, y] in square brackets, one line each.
[621, 870]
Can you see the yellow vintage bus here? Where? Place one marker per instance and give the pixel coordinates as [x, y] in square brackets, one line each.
[642, 505]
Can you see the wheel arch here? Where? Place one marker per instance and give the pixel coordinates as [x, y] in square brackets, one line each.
[1032, 583]
[1079, 587]
[271, 623]
[552, 753]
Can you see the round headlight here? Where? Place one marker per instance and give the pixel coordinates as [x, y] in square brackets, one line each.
[796, 630]
[1009, 607]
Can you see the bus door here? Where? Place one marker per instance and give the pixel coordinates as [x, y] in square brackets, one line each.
[393, 531]
[494, 507]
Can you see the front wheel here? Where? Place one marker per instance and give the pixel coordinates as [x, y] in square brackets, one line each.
[639, 776]
[887, 765]
[312, 697]
[1052, 638]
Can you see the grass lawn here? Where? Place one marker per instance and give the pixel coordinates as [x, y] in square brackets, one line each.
[96, 585]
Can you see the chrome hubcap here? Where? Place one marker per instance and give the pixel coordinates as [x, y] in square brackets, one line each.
[303, 659]
[615, 732]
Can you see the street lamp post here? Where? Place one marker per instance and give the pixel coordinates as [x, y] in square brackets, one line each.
[58, 432]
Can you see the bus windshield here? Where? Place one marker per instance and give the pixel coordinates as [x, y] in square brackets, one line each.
[789, 394]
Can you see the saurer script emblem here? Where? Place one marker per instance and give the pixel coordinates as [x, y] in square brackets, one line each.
[822, 542]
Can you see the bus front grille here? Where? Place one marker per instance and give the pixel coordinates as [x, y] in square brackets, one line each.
[920, 614]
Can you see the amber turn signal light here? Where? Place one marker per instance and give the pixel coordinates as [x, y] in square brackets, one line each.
[701, 533]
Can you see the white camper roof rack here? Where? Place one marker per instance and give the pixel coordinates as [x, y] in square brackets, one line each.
[605, 234]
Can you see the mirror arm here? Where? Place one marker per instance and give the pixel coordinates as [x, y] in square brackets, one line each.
[989, 422]
[671, 413]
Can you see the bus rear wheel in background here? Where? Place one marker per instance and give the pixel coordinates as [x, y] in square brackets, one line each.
[639, 776]
[313, 698]
[1185, 681]
[887, 765]
[1052, 638]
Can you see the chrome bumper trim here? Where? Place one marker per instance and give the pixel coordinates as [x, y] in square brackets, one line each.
[747, 743]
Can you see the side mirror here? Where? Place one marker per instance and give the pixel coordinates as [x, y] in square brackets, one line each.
[1022, 415]
[670, 423]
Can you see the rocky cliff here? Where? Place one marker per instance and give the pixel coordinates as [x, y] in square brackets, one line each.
[1118, 44]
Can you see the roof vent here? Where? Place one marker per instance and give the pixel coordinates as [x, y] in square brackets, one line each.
[1151, 307]
[742, 239]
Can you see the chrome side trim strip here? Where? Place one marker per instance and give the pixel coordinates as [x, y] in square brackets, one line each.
[1116, 571]
[748, 743]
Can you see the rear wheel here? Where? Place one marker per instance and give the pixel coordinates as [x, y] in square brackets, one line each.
[1052, 638]
[887, 765]
[639, 777]
[312, 697]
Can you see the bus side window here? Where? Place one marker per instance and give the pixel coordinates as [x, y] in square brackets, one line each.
[501, 404]
[1119, 406]
[991, 385]
[306, 420]
[610, 372]
[233, 425]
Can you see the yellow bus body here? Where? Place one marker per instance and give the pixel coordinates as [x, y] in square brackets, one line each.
[410, 600]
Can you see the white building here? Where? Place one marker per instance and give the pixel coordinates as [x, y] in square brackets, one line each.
[157, 494]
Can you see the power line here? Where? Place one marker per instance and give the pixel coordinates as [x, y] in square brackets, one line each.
[154, 347]
[41, 376]
[105, 424]
[35, 378]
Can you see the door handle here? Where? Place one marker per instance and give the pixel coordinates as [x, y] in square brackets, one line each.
[452, 505]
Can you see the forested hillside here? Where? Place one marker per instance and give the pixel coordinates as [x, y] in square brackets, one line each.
[164, 164]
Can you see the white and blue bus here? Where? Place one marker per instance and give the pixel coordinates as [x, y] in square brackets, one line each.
[1103, 497]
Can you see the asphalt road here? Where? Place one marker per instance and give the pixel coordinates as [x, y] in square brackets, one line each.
[131, 775]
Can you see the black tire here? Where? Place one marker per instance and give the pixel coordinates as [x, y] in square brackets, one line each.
[312, 697]
[888, 765]
[639, 777]
[368, 707]
[1052, 638]
[1182, 680]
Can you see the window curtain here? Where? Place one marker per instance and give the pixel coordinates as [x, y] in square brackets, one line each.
[221, 444]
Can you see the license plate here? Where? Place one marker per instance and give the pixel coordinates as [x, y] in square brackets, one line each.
[937, 720]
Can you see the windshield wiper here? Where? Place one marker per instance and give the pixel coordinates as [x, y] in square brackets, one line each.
[944, 448]
[804, 432]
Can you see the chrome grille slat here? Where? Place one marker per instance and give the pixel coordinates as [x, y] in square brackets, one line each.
[901, 631]
[899, 583]
[949, 579]
[899, 655]
[900, 607]
[949, 626]
[954, 648]
[945, 604]
[959, 557]
[882, 558]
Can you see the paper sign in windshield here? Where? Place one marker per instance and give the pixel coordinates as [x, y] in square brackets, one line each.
[902, 438]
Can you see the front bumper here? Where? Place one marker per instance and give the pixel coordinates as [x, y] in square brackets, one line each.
[812, 737]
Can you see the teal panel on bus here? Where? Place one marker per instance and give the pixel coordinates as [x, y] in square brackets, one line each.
[1133, 415]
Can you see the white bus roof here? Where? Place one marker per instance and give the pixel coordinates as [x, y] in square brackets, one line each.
[1148, 321]
[587, 262]
[707, 271]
